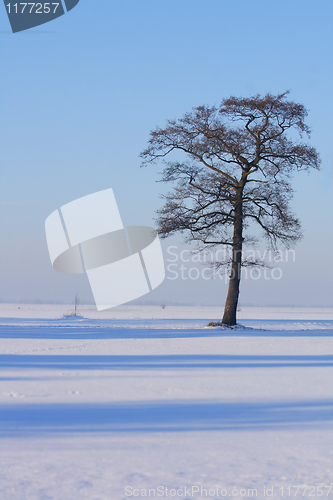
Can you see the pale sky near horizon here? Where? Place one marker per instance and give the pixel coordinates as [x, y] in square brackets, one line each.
[79, 96]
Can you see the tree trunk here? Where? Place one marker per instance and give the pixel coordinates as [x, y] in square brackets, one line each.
[230, 308]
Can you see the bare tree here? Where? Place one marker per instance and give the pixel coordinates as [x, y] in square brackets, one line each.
[239, 158]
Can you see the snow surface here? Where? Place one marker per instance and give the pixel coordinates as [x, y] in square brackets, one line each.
[146, 397]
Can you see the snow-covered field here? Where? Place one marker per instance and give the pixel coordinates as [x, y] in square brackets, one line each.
[151, 400]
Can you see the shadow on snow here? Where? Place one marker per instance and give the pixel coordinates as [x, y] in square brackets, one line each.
[143, 329]
[160, 362]
[165, 416]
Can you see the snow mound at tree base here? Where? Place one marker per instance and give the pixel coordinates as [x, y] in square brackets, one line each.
[219, 324]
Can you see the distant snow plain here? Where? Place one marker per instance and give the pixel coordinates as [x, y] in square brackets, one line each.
[145, 401]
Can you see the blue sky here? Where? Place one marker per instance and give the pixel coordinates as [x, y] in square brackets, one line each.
[79, 96]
